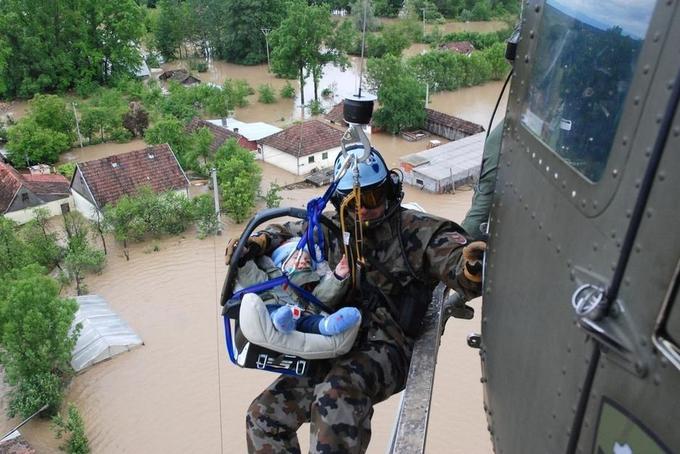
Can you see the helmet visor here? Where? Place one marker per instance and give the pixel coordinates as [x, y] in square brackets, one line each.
[370, 198]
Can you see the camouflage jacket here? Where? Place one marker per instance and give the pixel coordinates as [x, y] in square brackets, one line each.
[328, 289]
[405, 257]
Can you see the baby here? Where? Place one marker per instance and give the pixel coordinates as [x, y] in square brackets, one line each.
[284, 305]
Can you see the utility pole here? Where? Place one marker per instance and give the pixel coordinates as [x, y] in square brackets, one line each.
[265, 32]
[213, 171]
[75, 114]
[427, 94]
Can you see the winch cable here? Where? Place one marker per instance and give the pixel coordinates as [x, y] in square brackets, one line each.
[218, 328]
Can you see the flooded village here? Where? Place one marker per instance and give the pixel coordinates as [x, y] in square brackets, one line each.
[178, 392]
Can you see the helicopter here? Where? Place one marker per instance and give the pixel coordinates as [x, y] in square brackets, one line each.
[580, 338]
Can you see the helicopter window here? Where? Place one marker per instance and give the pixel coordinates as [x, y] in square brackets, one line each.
[584, 64]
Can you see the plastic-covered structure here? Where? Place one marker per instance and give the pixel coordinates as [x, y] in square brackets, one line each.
[103, 335]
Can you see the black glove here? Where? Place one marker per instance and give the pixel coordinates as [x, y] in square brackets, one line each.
[255, 247]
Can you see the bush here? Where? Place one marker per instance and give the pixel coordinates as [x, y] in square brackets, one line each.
[327, 93]
[287, 91]
[77, 442]
[273, 196]
[67, 170]
[120, 135]
[316, 108]
[267, 95]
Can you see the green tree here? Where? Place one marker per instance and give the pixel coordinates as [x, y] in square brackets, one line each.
[241, 39]
[204, 214]
[298, 45]
[239, 179]
[36, 342]
[61, 44]
[171, 131]
[401, 96]
[80, 257]
[201, 148]
[13, 254]
[30, 144]
[41, 244]
[123, 221]
[171, 27]
[50, 112]
[71, 425]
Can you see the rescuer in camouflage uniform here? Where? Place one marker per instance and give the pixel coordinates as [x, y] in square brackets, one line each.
[406, 253]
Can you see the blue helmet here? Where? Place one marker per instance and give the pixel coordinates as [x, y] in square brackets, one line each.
[372, 172]
[384, 184]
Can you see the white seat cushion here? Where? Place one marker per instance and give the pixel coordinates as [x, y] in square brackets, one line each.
[257, 327]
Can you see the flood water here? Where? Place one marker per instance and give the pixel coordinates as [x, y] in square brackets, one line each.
[178, 393]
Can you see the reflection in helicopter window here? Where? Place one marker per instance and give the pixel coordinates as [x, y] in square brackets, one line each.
[584, 64]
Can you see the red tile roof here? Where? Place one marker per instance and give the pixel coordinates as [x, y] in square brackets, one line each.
[335, 115]
[450, 121]
[10, 183]
[50, 184]
[111, 178]
[221, 135]
[304, 139]
[46, 187]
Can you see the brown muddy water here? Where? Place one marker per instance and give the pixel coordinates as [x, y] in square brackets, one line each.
[178, 393]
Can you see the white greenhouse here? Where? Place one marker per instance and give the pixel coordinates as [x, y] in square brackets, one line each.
[103, 335]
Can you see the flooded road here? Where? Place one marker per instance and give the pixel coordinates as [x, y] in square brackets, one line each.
[178, 393]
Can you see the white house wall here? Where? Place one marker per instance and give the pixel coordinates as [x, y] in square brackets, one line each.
[289, 162]
[27, 214]
[84, 206]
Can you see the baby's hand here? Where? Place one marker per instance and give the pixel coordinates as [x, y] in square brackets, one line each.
[342, 269]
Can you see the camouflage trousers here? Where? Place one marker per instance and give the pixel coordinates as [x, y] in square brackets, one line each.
[338, 403]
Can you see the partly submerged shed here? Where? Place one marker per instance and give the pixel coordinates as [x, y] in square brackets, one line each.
[442, 168]
[104, 334]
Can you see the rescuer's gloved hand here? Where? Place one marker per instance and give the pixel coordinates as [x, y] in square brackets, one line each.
[255, 247]
[473, 255]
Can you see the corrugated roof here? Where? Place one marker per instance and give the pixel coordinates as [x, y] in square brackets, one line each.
[460, 159]
[464, 126]
[307, 138]
[115, 176]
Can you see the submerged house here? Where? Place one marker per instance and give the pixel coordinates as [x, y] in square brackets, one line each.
[100, 182]
[303, 148]
[21, 193]
[182, 76]
[460, 47]
[448, 126]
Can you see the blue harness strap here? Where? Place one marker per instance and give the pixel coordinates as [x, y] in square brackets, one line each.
[313, 236]
[277, 281]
